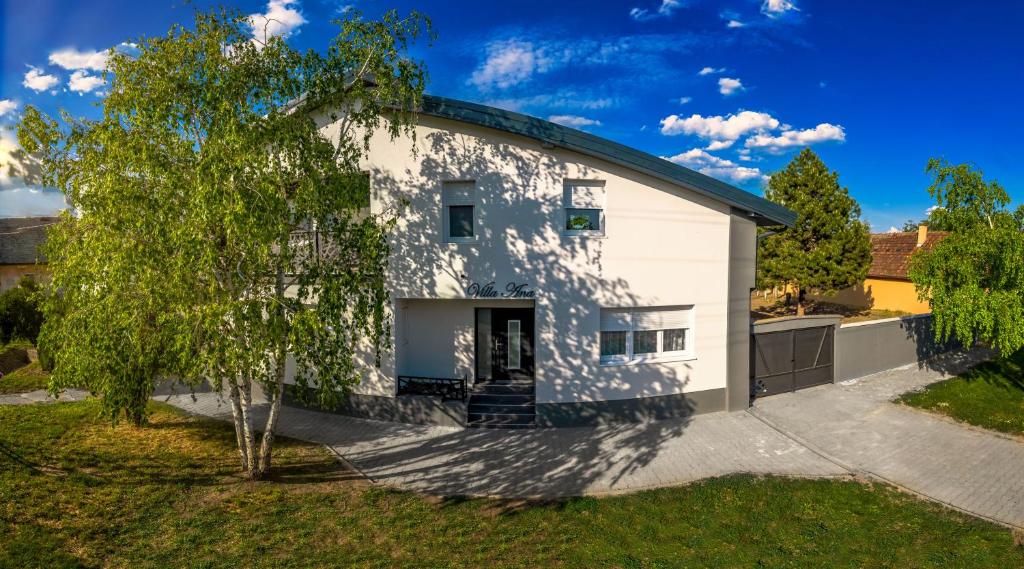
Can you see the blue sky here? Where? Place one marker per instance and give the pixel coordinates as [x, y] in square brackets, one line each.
[733, 88]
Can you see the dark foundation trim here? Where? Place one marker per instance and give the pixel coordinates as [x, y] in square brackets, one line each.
[415, 409]
[587, 413]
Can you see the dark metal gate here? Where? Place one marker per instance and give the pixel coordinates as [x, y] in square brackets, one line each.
[787, 360]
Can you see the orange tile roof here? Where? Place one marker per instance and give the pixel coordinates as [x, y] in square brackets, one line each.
[890, 252]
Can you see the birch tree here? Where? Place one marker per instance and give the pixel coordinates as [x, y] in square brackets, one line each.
[220, 231]
[974, 278]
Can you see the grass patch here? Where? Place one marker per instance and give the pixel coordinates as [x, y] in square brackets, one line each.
[989, 395]
[27, 378]
[76, 492]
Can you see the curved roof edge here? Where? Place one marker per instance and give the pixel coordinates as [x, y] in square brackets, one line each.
[763, 211]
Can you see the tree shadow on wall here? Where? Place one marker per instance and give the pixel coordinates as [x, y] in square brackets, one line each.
[518, 183]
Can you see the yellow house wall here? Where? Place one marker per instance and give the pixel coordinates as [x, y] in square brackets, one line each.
[881, 294]
[10, 274]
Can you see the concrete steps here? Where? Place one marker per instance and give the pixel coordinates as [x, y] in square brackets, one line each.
[502, 405]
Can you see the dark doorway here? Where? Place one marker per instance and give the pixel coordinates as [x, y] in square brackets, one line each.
[504, 344]
[788, 360]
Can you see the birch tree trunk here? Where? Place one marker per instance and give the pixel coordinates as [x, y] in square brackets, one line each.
[267, 442]
[236, 414]
[248, 433]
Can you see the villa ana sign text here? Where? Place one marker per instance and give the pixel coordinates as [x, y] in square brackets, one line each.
[511, 289]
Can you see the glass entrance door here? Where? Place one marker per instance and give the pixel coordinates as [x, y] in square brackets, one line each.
[504, 343]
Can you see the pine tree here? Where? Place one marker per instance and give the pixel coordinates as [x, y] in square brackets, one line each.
[828, 248]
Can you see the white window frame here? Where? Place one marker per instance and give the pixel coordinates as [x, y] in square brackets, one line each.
[567, 204]
[630, 358]
[446, 221]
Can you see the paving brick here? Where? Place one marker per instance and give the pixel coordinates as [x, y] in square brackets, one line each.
[858, 423]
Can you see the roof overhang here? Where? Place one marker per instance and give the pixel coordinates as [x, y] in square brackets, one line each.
[758, 209]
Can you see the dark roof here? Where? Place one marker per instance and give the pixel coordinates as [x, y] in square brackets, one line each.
[763, 211]
[890, 252]
[20, 238]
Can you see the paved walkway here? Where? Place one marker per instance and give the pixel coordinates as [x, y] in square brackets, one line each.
[827, 431]
[857, 425]
[41, 396]
[545, 462]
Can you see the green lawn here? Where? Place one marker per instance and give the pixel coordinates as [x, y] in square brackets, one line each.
[75, 492]
[990, 395]
[28, 378]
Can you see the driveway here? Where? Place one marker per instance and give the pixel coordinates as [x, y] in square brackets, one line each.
[856, 425]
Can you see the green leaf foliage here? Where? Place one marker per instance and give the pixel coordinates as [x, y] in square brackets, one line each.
[219, 228]
[20, 316]
[829, 247]
[974, 278]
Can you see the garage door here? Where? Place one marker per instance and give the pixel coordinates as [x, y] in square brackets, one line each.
[788, 360]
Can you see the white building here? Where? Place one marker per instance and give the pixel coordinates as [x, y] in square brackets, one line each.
[568, 279]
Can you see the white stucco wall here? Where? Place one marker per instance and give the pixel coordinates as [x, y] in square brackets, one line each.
[663, 246]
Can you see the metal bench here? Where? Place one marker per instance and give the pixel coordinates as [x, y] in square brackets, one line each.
[447, 388]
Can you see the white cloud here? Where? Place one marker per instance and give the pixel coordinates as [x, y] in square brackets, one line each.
[892, 229]
[82, 82]
[710, 70]
[71, 58]
[7, 106]
[517, 60]
[717, 167]
[281, 19]
[735, 24]
[664, 10]
[19, 198]
[720, 144]
[776, 8]
[684, 100]
[37, 80]
[787, 139]
[717, 127]
[509, 63]
[728, 86]
[574, 121]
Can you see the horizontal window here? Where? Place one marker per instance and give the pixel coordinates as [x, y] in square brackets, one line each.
[636, 335]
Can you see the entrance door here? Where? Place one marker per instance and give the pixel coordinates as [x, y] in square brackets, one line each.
[504, 344]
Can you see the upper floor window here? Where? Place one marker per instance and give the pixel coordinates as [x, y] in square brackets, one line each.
[459, 211]
[636, 335]
[584, 207]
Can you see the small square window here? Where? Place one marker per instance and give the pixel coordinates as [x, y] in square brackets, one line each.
[459, 201]
[613, 344]
[645, 342]
[583, 201]
[674, 340]
[582, 219]
[460, 221]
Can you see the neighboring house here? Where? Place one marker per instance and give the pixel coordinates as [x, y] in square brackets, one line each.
[888, 286]
[20, 238]
[569, 279]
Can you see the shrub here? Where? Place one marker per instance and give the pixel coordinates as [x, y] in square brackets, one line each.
[20, 317]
